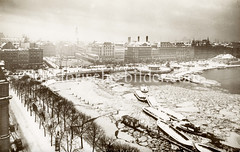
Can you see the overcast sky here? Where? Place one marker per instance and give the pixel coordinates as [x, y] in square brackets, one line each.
[115, 20]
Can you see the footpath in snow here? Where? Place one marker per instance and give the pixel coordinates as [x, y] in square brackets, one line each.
[36, 142]
[33, 136]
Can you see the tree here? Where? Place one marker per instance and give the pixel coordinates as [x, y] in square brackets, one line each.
[95, 133]
[82, 126]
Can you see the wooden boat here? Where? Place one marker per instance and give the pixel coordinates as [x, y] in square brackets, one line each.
[144, 89]
[140, 96]
[205, 148]
[187, 126]
[175, 134]
[156, 113]
[152, 102]
[173, 114]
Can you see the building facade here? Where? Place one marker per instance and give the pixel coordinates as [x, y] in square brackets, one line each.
[119, 52]
[172, 53]
[135, 54]
[105, 51]
[21, 59]
[107, 54]
[4, 113]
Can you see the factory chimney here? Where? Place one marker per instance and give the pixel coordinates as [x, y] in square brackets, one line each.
[146, 38]
[129, 39]
[138, 38]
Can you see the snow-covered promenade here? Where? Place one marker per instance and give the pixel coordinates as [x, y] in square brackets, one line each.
[35, 140]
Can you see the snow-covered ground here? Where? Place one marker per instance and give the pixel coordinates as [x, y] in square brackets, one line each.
[93, 97]
[33, 136]
[203, 106]
[214, 111]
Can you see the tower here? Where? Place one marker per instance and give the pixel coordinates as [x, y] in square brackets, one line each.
[76, 34]
[129, 39]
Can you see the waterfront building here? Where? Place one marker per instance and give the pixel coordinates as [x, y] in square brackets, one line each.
[203, 49]
[107, 51]
[119, 52]
[139, 53]
[17, 58]
[107, 54]
[172, 53]
[4, 113]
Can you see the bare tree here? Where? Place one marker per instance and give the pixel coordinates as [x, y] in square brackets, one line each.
[82, 126]
[95, 133]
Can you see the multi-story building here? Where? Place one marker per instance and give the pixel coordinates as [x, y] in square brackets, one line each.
[35, 58]
[4, 113]
[119, 52]
[107, 54]
[172, 53]
[105, 51]
[21, 58]
[138, 54]
[10, 57]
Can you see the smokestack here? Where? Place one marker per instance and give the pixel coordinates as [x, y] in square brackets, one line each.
[129, 39]
[146, 38]
[138, 38]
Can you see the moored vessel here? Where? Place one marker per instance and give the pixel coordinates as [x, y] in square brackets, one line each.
[156, 113]
[204, 148]
[140, 96]
[175, 134]
[152, 102]
[144, 89]
[173, 114]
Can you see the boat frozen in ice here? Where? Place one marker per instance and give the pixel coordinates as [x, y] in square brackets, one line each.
[173, 114]
[140, 96]
[205, 148]
[175, 134]
[156, 113]
[152, 102]
[144, 89]
[187, 126]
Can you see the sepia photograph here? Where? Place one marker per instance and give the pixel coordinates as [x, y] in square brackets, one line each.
[119, 75]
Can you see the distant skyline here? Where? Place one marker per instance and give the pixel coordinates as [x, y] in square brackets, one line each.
[116, 20]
